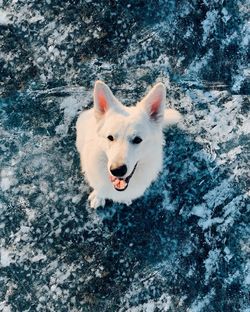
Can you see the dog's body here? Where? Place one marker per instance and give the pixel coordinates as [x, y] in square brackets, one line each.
[121, 148]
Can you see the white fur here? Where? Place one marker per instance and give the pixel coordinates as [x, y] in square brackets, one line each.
[97, 153]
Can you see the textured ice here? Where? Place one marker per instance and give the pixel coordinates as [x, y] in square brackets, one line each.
[184, 246]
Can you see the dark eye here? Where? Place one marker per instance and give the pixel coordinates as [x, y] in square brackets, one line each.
[136, 140]
[110, 138]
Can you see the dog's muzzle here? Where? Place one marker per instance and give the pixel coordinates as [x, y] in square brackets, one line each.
[120, 184]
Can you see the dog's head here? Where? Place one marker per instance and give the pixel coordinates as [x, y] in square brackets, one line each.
[128, 134]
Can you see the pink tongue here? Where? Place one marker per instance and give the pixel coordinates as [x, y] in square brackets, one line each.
[118, 183]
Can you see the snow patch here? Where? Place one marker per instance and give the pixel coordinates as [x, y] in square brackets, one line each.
[163, 303]
[4, 19]
[71, 106]
[7, 179]
[201, 304]
[4, 307]
[211, 263]
[38, 257]
[247, 274]
[5, 258]
[209, 25]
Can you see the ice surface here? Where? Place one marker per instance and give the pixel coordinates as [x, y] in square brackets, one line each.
[183, 246]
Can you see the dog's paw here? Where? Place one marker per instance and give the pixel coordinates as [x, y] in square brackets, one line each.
[95, 200]
[128, 202]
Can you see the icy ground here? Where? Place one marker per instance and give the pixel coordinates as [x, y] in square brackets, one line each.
[185, 245]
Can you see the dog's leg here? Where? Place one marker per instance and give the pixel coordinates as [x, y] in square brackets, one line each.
[95, 200]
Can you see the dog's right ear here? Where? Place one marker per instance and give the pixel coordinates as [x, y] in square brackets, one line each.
[103, 99]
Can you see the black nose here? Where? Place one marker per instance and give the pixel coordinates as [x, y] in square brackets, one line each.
[118, 171]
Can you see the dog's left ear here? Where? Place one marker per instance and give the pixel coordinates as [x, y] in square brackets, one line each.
[103, 99]
[154, 102]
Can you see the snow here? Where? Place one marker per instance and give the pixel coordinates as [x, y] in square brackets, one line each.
[7, 179]
[71, 106]
[4, 307]
[209, 24]
[5, 258]
[4, 19]
[202, 304]
[211, 263]
[162, 304]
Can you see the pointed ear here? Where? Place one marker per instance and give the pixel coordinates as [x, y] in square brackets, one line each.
[103, 98]
[154, 102]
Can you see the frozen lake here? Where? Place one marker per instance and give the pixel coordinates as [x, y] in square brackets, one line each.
[183, 246]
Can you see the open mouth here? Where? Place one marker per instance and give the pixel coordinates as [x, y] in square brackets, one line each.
[120, 184]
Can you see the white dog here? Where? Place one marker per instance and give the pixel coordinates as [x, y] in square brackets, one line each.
[121, 148]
